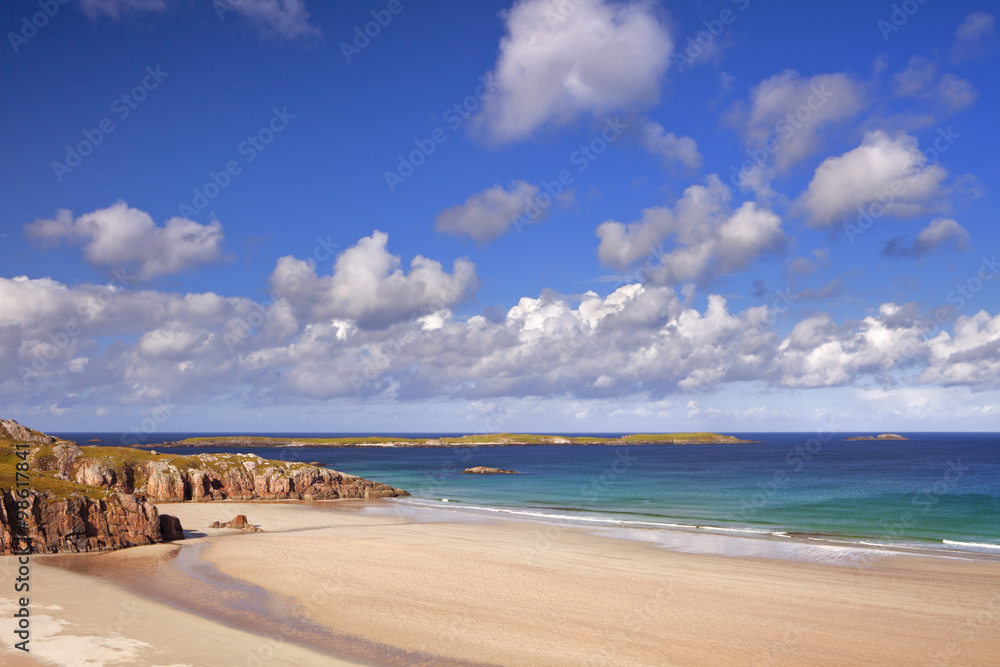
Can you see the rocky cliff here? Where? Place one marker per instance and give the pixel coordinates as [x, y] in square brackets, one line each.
[202, 477]
[78, 523]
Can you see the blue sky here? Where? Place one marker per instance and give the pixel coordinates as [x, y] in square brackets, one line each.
[546, 215]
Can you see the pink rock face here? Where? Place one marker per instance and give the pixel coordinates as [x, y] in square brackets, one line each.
[164, 482]
[78, 524]
[95, 474]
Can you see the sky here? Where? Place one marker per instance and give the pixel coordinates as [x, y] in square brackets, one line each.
[539, 216]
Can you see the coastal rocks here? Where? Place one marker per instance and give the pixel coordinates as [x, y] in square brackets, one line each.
[170, 527]
[95, 474]
[13, 431]
[207, 477]
[883, 436]
[79, 524]
[239, 522]
[164, 482]
[485, 470]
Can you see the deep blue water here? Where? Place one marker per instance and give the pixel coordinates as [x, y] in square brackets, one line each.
[931, 490]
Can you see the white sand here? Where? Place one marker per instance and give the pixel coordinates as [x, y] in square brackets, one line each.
[522, 594]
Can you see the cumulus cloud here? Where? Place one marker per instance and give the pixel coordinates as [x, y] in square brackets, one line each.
[488, 214]
[368, 285]
[975, 37]
[969, 356]
[560, 61]
[889, 170]
[818, 352]
[638, 340]
[945, 95]
[279, 19]
[127, 238]
[669, 146]
[938, 234]
[786, 114]
[709, 238]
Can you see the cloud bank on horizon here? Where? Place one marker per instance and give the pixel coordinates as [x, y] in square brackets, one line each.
[616, 216]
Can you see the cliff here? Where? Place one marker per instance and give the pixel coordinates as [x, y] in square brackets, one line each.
[77, 523]
[203, 477]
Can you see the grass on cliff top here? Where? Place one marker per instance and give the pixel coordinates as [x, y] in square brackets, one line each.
[40, 480]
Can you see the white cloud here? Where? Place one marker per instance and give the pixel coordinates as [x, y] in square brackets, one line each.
[787, 114]
[368, 286]
[970, 357]
[665, 144]
[939, 233]
[127, 238]
[944, 95]
[279, 19]
[975, 37]
[488, 214]
[891, 171]
[559, 61]
[709, 238]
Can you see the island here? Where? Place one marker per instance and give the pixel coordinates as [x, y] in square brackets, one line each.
[478, 440]
[883, 436]
[486, 470]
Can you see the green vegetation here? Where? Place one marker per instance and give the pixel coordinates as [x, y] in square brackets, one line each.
[41, 475]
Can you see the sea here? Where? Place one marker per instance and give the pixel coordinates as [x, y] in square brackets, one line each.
[934, 492]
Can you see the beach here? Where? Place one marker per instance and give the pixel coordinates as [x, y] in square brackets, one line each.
[335, 582]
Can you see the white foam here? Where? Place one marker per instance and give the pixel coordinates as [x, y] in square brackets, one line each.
[978, 545]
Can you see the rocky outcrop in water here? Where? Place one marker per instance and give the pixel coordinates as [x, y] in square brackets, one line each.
[883, 436]
[78, 524]
[485, 470]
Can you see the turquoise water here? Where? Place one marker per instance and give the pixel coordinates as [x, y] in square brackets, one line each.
[934, 490]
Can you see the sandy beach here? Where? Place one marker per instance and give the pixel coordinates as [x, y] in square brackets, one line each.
[332, 583]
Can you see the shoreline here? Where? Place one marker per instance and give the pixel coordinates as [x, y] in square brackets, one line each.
[392, 584]
[672, 535]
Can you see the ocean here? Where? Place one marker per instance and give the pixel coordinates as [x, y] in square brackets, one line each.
[937, 491]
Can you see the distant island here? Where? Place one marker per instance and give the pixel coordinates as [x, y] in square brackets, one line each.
[482, 440]
[884, 436]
